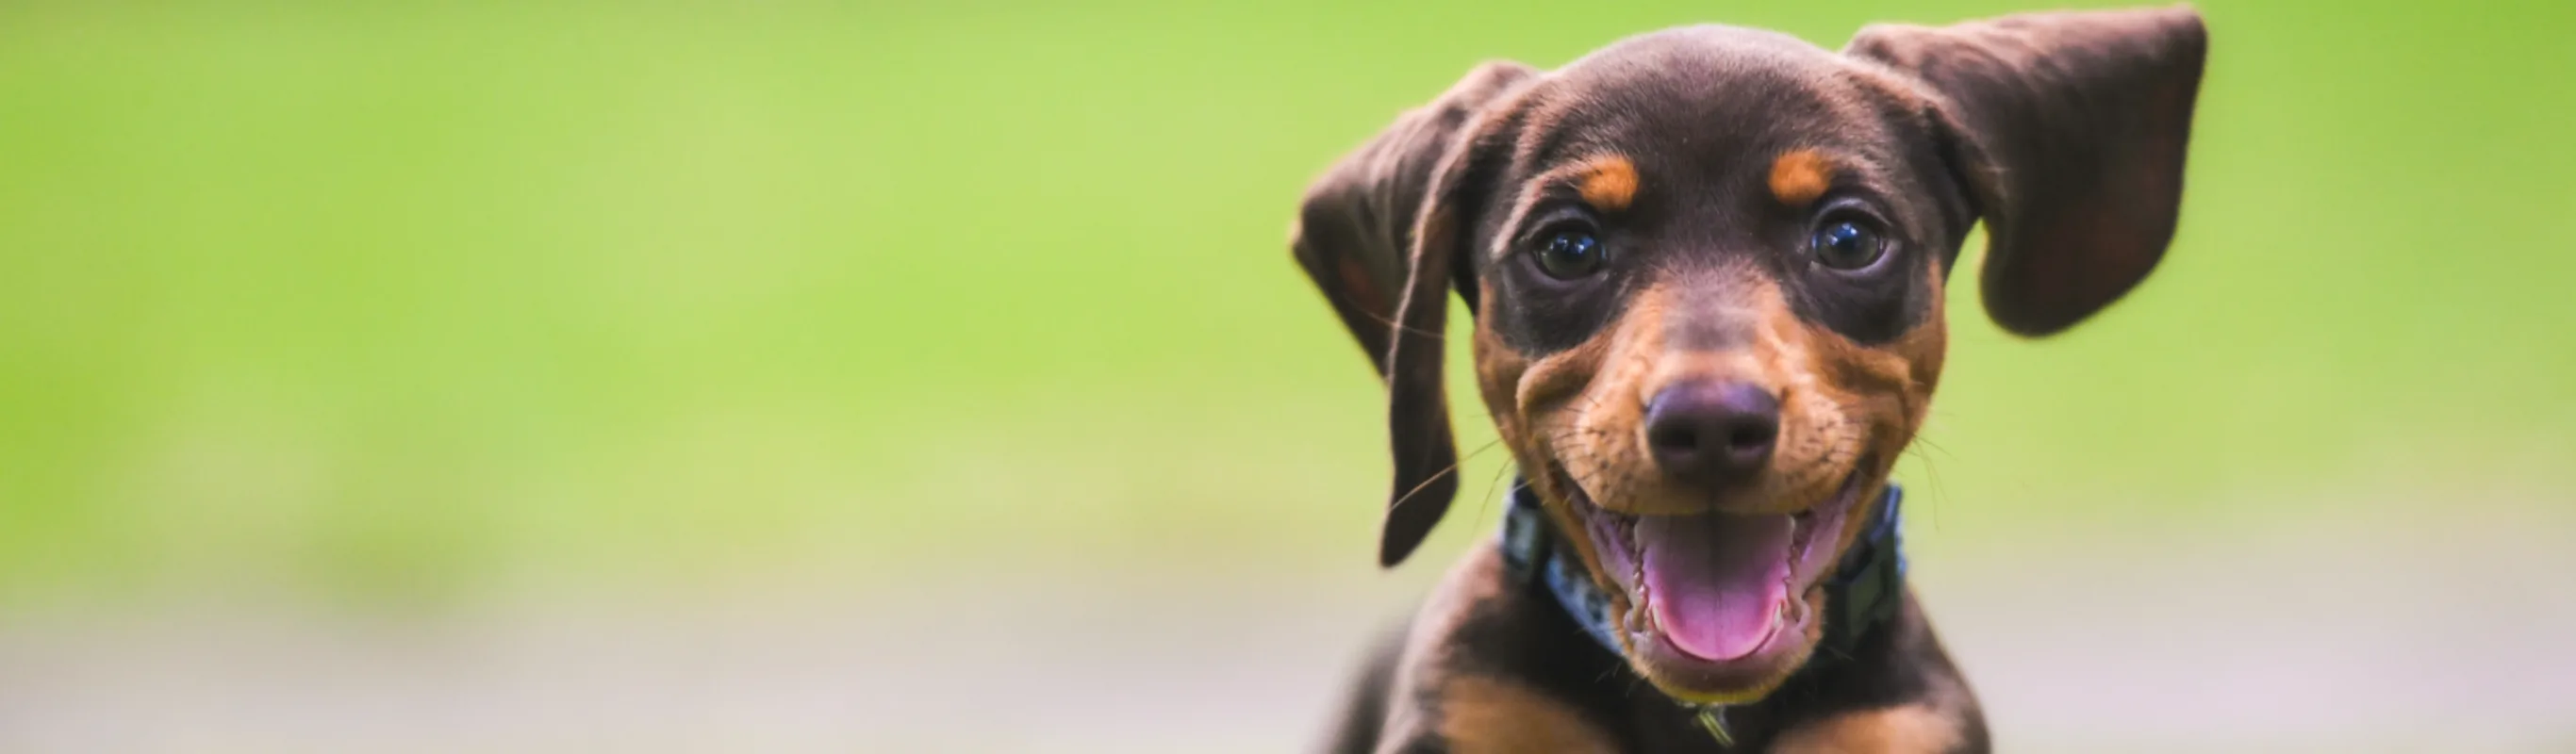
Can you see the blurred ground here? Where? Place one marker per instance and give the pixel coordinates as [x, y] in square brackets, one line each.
[705, 376]
[2302, 643]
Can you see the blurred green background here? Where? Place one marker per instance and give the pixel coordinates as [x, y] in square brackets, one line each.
[392, 314]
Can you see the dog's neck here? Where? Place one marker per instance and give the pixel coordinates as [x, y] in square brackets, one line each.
[1863, 594]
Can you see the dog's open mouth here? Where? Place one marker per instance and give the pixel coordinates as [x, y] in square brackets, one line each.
[1718, 603]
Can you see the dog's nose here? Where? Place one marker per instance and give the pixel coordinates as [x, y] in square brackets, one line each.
[1713, 433]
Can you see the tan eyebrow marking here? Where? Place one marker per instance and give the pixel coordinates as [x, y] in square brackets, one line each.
[1800, 176]
[1608, 183]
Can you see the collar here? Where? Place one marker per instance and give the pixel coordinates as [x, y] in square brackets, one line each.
[1862, 593]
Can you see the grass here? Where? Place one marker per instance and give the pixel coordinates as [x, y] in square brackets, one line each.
[405, 304]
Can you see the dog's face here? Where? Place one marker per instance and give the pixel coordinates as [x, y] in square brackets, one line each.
[1708, 327]
[1707, 267]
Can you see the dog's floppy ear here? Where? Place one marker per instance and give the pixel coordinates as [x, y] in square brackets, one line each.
[1382, 233]
[2071, 129]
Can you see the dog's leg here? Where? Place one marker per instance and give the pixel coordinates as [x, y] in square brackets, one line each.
[1480, 715]
[1906, 729]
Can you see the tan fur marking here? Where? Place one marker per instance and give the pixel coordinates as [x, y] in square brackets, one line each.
[1527, 399]
[1487, 716]
[1896, 730]
[1581, 409]
[1598, 435]
[1609, 184]
[1887, 387]
[1800, 176]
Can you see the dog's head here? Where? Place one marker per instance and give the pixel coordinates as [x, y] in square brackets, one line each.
[1706, 267]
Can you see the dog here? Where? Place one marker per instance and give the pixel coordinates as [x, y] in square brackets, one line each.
[1706, 268]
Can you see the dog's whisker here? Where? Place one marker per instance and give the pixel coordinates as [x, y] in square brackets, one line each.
[1452, 468]
[1396, 328]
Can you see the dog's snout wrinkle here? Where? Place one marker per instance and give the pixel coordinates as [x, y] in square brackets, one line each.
[1710, 320]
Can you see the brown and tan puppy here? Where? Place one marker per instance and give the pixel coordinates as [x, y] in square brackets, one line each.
[1706, 270]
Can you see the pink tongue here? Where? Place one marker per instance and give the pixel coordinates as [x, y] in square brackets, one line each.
[1715, 581]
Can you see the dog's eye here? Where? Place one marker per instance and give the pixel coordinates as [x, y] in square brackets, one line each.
[1848, 244]
[1571, 254]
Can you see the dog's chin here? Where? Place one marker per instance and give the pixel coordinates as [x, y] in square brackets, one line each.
[1719, 608]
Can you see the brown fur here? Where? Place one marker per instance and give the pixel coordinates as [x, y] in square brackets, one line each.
[1800, 177]
[2062, 132]
[1609, 183]
[1898, 730]
[1580, 410]
[1481, 715]
[1829, 426]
